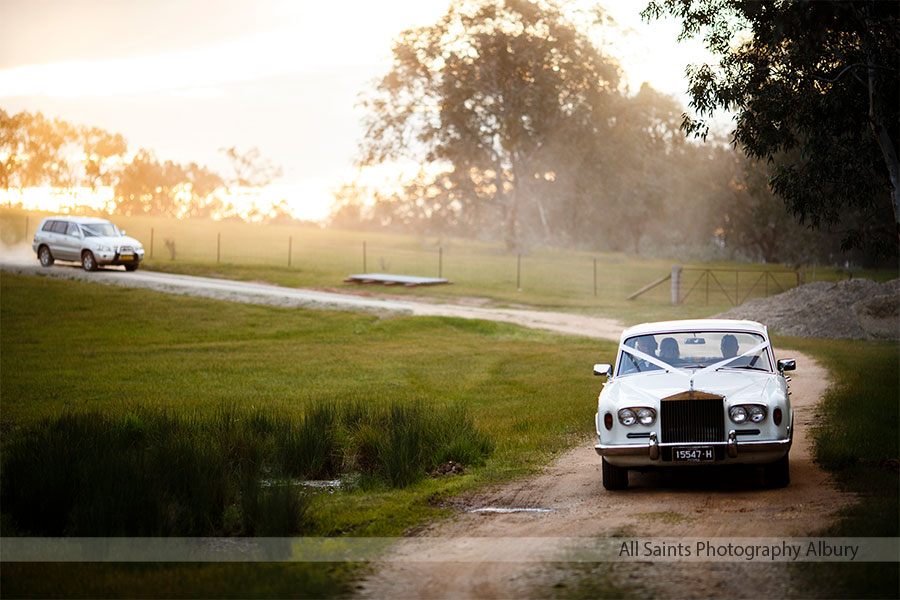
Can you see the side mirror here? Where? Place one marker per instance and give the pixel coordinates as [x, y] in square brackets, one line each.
[603, 369]
[786, 364]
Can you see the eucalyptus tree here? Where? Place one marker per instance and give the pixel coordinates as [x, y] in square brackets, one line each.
[491, 96]
[814, 87]
[249, 169]
[103, 153]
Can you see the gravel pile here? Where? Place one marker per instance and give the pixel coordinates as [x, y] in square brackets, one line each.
[854, 308]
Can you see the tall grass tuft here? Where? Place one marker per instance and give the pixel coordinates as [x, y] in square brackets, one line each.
[400, 443]
[153, 472]
[309, 448]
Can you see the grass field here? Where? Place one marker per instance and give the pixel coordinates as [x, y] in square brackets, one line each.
[71, 348]
[543, 277]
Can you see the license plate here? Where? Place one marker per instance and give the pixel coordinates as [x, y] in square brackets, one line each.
[126, 257]
[693, 454]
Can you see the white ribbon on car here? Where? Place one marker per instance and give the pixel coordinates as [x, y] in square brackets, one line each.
[670, 368]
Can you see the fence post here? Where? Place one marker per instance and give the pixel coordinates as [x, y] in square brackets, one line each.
[218, 247]
[440, 261]
[707, 288]
[151, 242]
[290, 244]
[519, 272]
[676, 284]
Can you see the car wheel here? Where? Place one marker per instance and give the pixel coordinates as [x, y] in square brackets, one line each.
[778, 473]
[45, 257]
[88, 261]
[614, 478]
[131, 267]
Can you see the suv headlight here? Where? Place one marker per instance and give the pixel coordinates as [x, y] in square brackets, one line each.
[104, 248]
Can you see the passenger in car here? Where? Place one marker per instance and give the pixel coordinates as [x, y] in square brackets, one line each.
[668, 350]
[729, 346]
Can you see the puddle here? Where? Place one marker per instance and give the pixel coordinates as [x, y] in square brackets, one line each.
[322, 483]
[319, 484]
[499, 509]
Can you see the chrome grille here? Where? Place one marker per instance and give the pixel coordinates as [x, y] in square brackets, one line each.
[692, 420]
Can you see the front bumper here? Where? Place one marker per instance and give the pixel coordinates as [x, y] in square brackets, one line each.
[654, 453]
[114, 258]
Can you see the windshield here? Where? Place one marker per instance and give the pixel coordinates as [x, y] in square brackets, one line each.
[99, 230]
[694, 350]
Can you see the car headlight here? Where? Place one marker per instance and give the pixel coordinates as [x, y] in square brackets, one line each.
[757, 413]
[738, 414]
[647, 416]
[627, 417]
[103, 248]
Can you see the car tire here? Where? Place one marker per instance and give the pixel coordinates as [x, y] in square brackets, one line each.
[778, 473]
[45, 256]
[131, 267]
[88, 261]
[614, 478]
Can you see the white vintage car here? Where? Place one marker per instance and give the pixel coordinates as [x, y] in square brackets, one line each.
[698, 392]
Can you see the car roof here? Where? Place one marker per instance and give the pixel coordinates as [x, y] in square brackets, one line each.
[696, 325]
[84, 220]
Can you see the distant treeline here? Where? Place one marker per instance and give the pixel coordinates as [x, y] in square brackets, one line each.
[36, 151]
[638, 186]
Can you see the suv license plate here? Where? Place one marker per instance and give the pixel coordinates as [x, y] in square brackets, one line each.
[126, 257]
[693, 454]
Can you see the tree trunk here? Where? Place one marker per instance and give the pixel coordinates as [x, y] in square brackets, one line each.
[889, 152]
[877, 121]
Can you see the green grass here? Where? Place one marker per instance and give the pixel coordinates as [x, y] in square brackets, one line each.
[154, 472]
[549, 278]
[857, 441]
[71, 348]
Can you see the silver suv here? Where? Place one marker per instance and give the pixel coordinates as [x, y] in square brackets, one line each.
[90, 241]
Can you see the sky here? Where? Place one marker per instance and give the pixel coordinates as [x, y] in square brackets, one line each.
[186, 78]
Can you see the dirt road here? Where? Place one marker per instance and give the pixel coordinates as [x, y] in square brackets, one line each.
[704, 504]
[707, 504]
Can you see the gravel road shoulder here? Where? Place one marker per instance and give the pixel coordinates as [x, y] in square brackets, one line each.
[261, 293]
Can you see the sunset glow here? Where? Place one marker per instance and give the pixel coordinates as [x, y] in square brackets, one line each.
[287, 84]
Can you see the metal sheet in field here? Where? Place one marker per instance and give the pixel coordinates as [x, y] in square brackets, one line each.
[391, 279]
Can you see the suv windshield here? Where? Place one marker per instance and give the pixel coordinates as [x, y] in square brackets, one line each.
[100, 230]
[694, 350]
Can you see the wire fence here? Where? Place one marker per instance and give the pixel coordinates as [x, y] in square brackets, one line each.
[322, 257]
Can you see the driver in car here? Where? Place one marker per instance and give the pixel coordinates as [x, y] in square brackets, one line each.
[646, 344]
